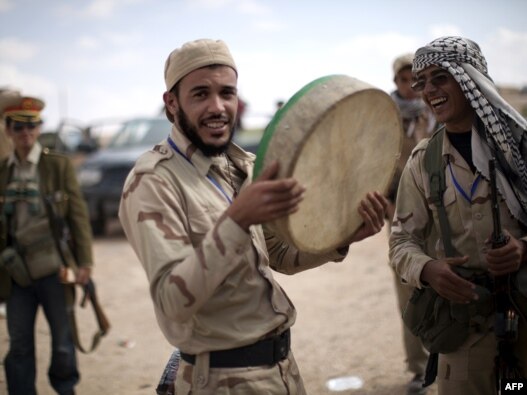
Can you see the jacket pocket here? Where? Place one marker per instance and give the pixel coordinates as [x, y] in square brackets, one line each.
[37, 247]
[14, 265]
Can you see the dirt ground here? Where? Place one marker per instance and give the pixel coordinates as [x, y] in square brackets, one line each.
[347, 325]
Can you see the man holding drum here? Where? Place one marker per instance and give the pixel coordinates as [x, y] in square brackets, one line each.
[194, 218]
[463, 266]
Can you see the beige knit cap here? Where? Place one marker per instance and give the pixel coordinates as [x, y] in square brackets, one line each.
[402, 61]
[194, 55]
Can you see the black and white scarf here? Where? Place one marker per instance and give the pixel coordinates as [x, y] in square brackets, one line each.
[505, 134]
[410, 108]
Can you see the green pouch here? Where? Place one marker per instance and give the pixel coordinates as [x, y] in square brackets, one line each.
[38, 248]
[432, 319]
[13, 263]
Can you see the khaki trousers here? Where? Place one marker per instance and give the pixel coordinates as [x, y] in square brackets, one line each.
[280, 379]
[470, 370]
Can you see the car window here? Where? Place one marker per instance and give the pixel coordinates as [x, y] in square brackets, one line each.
[141, 132]
[71, 135]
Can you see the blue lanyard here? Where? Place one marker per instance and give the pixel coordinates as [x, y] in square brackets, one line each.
[212, 180]
[460, 189]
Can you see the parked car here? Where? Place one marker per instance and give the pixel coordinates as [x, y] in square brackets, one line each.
[70, 138]
[102, 174]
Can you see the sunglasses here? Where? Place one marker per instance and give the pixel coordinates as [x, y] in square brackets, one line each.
[20, 126]
[439, 79]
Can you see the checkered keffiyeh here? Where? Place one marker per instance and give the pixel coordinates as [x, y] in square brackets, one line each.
[505, 134]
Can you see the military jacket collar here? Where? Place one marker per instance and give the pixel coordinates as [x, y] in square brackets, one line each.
[33, 157]
[201, 162]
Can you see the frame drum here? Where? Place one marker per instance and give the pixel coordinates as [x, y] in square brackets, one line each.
[340, 138]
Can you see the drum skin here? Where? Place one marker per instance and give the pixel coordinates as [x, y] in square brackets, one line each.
[340, 138]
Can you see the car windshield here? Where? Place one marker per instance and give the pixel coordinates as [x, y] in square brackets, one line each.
[141, 132]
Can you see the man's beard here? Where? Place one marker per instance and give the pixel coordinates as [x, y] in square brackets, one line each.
[192, 134]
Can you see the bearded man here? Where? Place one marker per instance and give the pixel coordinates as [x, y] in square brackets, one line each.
[193, 217]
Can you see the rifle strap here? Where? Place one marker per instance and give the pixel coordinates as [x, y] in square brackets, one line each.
[435, 167]
[102, 321]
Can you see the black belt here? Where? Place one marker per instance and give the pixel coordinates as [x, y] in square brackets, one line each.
[264, 352]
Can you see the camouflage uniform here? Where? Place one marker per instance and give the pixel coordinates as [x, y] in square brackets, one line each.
[210, 280]
[469, 370]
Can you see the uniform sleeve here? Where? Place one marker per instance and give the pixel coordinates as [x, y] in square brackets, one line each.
[412, 224]
[286, 259]
[78, 218]
[182, 277]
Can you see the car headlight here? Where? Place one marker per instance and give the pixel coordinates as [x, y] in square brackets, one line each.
[89, 177]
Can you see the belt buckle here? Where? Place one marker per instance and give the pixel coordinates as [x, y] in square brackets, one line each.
[281, 346]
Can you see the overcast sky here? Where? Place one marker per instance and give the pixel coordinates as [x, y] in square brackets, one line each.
[97, 59]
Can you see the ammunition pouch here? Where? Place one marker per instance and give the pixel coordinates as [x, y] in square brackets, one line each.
[441, 325]
[38, 249]
[13, 263]
[429, 317]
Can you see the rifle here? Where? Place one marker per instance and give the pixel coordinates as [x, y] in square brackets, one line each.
[61, 235]
[506, 317]
[168, 378]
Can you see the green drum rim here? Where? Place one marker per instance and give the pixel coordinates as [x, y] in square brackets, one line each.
[270, 129]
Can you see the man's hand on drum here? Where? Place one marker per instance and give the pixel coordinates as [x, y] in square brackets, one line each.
[266, 199]
[372, 209]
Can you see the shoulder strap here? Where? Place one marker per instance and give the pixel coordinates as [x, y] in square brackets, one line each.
[435, 168]
[436, 173]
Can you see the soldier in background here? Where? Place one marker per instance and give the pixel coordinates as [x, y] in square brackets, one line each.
[30, 264]
[418, 123]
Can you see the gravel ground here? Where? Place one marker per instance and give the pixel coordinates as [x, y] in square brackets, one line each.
[347, 325]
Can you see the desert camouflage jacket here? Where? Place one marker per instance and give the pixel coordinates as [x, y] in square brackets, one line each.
[210, 280]
[416, 222]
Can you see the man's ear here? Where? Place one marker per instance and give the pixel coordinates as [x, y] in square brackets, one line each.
[171, 105]
[171, 102]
